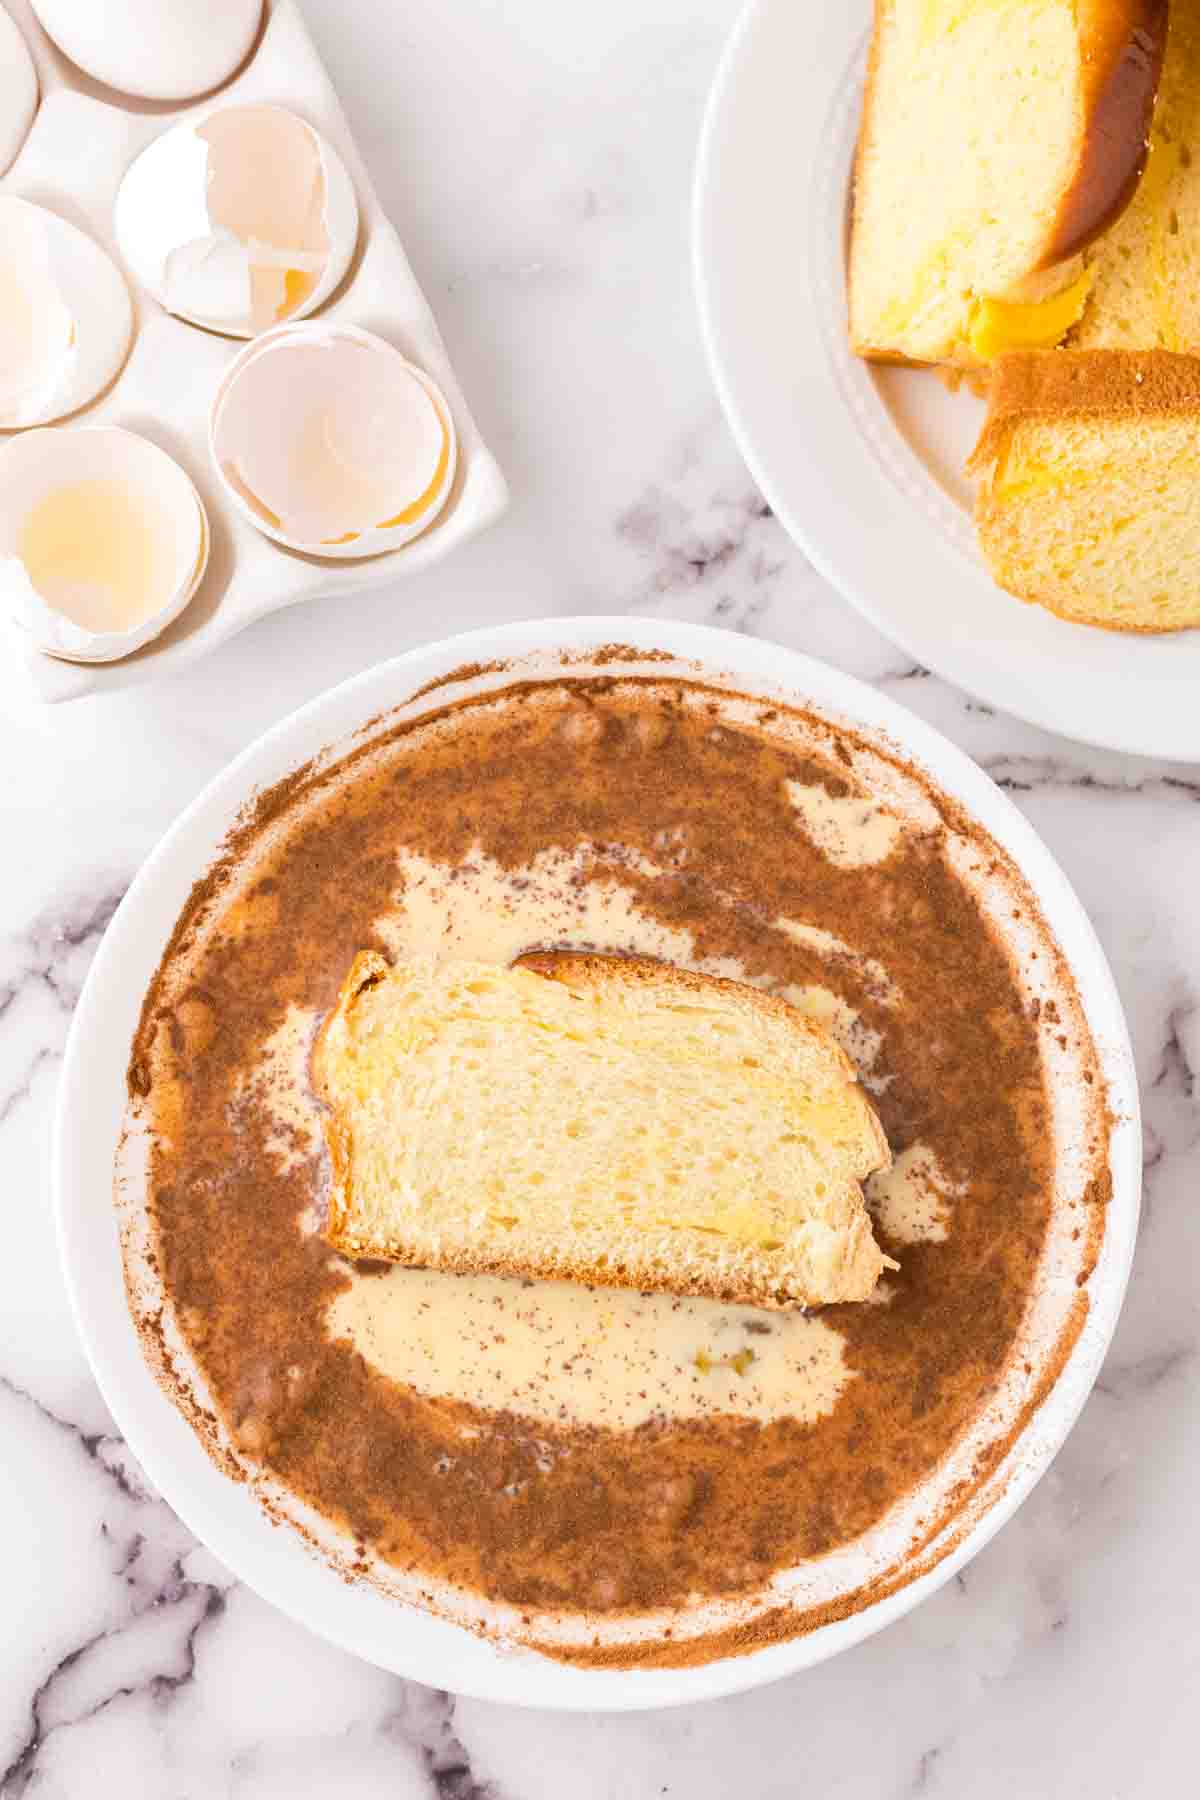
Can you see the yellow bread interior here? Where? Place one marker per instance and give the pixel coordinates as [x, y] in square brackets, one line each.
[1089, 498]
[1146, 269]
[605, 1120]
[970, 138]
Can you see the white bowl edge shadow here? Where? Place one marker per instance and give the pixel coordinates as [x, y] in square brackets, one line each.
[837, 470]
[221, 1513]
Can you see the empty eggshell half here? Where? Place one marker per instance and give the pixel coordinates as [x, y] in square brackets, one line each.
[156, 49]
[18, 89]
[103, 540]
[66, 319]
[240, 220]
[331, 442]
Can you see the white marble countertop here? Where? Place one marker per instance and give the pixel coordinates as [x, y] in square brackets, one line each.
[537, 160]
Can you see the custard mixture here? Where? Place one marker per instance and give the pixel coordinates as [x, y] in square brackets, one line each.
[554, 1450]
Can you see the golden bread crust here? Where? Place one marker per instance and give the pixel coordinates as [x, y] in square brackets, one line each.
[1083, 384]
[367, 968]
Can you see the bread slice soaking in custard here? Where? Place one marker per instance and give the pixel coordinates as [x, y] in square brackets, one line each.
[608, 1120]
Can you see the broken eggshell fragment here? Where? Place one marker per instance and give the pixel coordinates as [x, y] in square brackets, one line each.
[103, 540]
[66, 319]
[330, 442]
[239, 220]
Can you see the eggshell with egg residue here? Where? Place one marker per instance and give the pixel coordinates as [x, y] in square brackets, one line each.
[330, 442]
[103, 540]
[240, 220]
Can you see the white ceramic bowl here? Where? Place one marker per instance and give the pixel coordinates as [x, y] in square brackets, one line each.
[92, 1097]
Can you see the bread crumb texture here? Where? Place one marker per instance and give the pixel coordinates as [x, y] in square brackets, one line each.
[998, 137]
[1089, 468]
[1145, 291]
[599, 1119]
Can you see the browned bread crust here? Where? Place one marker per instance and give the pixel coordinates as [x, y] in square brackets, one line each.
[1081, 384]
[1123, 43]
[591, 968]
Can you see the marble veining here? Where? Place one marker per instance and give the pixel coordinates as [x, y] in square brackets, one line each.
[41, 984]
[538, 160]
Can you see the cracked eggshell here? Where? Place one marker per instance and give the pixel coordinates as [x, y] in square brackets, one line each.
[155, 49]
[239, 163]
[330, 442]
[18, 89]
[66, 316]
[42, 466]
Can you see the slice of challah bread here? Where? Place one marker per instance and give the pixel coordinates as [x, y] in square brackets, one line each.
[999, 137]
[1145, 271]
[607, 1120]
[1089, 496]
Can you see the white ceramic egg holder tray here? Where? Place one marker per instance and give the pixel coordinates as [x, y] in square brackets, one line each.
[78, 148]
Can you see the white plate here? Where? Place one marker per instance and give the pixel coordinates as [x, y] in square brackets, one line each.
[864, 465]
[91, 1102]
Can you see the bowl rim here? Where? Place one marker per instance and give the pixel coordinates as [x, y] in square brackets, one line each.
[223, 1514]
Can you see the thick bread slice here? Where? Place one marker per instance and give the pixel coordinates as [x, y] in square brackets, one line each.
[1145, 291]
[999, 138]
[1089, 497]
[607, 1120]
